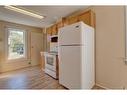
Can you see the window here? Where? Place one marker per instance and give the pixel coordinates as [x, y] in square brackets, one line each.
[16, 44]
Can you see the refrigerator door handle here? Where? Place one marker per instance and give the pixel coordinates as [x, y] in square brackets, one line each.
[72, 45]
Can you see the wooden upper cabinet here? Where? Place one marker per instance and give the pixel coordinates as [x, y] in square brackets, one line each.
[85, 17]
[59, 24]
[54, 29]
[93, 19]
[88, 18]
[49, 31]
[72, 20]
[64, 21]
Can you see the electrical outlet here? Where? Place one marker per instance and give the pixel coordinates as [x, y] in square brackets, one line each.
[124, 87]
[29, 62]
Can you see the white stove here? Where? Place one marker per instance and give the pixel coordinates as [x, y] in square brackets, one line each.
[50, 64]
[51, 61]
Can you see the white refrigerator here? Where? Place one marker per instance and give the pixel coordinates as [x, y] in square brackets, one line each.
[76, 56]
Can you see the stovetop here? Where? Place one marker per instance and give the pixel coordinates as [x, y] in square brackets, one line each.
[52, 53]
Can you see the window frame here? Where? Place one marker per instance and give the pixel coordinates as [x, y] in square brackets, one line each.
[7, 48]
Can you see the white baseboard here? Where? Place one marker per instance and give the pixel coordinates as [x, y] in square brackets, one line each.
[102, 86]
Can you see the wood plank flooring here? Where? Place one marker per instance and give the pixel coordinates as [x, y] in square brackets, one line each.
[29, 78]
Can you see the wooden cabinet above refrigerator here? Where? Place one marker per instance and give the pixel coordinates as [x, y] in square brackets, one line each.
[88, 17]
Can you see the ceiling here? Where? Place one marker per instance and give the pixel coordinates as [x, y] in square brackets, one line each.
[51, 13]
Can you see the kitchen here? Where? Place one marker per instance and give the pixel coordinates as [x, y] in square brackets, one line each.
[43, 47]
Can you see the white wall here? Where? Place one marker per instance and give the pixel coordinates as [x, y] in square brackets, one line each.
[111, 71]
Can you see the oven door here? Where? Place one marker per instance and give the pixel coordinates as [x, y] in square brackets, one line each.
[50, 62]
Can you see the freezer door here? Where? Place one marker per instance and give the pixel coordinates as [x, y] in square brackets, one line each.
[70, 66]
[70, 34]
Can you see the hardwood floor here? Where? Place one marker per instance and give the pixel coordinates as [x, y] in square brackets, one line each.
[29, 78]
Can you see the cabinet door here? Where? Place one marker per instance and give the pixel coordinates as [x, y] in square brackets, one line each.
[85, 17]
[93, 19]
[53, 29]
[59, 25]
[48, 30]
[88, 18]
[72, 20]
[65, 21]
